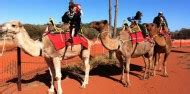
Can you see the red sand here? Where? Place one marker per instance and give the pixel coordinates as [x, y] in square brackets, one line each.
[177, 83]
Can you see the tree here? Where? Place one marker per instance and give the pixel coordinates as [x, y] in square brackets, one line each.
[110, 24]
[115, 22]
[115, 19]
[110, 12]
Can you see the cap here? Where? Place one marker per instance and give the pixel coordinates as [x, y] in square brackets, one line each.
[160, 13]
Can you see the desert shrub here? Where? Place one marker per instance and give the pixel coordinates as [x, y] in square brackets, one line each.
[89, 32]
[35, 31]
[181, 34]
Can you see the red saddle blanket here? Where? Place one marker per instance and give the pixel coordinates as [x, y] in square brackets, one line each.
[60, 40]
[136, 37]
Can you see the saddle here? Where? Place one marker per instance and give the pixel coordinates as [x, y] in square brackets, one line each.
[135, 33]
[61, 40]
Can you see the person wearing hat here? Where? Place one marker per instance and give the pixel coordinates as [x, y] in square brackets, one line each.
[160, 20]
[137, 20]
[73, 17]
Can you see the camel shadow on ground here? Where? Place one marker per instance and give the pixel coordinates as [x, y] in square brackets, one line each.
[106, 71]
[178, 51]
[41, 77]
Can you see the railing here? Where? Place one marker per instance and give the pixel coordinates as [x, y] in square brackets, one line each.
[17, 64]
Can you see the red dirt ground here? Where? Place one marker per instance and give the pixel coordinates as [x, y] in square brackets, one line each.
[105, 79]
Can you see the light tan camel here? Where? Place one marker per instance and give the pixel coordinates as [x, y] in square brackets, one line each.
[124, 48]
[52, 56]
[163, 45]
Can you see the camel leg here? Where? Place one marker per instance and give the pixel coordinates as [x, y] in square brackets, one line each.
[57, 66]
[146, 61]
[159, 63]
[128, 60]
[86, 57]
[165, 64]
[119, 57]
[157, 57]
[52, 74]
[150, 59]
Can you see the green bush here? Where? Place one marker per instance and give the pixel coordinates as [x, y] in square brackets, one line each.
[35, 31]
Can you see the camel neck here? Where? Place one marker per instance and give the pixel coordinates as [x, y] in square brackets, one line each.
[107, 41]
[30, 46]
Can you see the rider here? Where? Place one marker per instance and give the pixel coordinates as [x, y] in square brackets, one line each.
[137, 19]
[73, 17]
[160, 20]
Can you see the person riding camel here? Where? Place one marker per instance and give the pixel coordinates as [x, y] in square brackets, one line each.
[137, 20]
[161, 22]
[73, 17]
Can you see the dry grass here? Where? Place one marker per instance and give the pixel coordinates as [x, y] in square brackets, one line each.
[94, 62]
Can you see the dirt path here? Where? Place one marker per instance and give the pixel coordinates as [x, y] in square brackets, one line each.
[105, 79]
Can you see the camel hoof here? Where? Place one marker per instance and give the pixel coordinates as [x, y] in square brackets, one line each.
[50, 91]
[166, 75]
[142, 78]
[83, 85]
[127, 84]
[145, 78]
[153, 74]
[160, 70]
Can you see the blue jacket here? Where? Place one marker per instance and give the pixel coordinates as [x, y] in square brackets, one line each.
[131, 19]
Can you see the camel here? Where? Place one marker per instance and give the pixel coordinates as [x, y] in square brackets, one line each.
[163, 45]
[124, 48]
[52, 56]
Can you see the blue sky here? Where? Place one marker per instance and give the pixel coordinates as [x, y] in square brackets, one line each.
[38, 11]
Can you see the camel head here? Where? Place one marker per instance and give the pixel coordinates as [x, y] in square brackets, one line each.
[152, 29]
[11, 28]
[16, 31]
[99, 25]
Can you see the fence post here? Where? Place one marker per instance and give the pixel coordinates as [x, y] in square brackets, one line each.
[19, 68]
[180, 43]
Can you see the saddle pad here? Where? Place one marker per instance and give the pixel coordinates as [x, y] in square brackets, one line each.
[60, 40]
[136, 37]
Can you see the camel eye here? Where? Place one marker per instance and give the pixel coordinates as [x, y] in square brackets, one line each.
[13, 25]
[97, 23]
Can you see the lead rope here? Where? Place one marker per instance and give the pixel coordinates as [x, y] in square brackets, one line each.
[3, 46]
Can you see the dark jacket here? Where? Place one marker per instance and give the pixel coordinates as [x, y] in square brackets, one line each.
[67, 17]
[74, 19]
[157, 20]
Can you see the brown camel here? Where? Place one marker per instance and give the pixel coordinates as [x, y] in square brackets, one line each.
[124, 48]
[52, 56]
[163, 45]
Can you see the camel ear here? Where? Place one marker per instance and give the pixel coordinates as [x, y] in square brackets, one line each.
[19, 24]
[105, 22]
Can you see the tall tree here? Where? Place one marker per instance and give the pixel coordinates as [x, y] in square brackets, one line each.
[115, 18]
[110, 24]
[110, 12]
